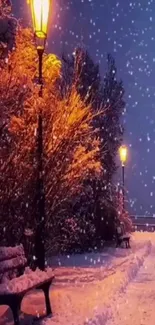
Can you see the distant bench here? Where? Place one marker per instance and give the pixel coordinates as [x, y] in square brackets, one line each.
[122, 236]
[14, 283]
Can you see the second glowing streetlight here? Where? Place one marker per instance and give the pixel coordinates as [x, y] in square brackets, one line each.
[123, 158]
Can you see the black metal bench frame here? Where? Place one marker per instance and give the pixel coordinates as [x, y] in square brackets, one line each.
[125, 240]
[13, 300]
[122, 238]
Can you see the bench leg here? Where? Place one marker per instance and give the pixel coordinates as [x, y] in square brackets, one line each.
[129, 244]
[15, 312]
[15, 307]
[45, 287]
[118, 243]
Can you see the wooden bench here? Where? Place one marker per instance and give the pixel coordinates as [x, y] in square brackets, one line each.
[16, 280]
[122, 236]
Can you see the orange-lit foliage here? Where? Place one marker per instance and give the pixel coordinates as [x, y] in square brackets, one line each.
[70, 148]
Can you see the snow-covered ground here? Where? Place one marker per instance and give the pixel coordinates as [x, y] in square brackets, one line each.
[88, 289]
[136, 305]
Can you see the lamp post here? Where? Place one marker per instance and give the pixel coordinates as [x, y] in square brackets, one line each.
[123, 157]
[40, 16]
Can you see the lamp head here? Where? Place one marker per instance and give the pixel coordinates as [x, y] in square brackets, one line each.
[40, 16]
[123, 154]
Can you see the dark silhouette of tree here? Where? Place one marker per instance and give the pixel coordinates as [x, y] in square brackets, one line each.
[8, 26]
[107, 96]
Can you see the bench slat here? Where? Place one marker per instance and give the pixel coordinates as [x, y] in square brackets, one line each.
[12, 264]
[26, 282]
[7, 253]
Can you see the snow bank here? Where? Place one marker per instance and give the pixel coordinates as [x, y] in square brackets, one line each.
[89, 302]
[119, 283]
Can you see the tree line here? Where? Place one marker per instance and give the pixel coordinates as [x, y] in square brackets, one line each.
[82, 114]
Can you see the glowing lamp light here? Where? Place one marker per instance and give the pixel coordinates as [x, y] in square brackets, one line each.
[40, 15]
[123, 154]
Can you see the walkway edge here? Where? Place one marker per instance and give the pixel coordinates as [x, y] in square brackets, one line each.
[123, 280]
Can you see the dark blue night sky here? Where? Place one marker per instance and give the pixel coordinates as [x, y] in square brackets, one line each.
[127, 30]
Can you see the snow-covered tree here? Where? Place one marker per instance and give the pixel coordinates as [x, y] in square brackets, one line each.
[70, 148]
[107, 96]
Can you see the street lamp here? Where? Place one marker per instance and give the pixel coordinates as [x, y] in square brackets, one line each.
[123, 158]
[40, 15]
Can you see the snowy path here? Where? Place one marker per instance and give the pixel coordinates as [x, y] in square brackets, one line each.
[137, 304]
[88, 286]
